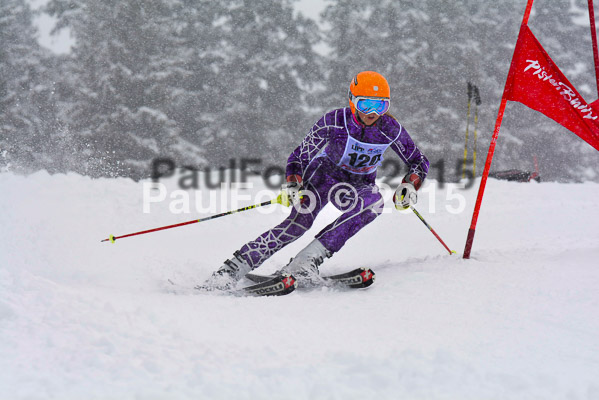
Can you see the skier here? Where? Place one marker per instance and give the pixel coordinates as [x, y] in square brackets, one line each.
[337, 161]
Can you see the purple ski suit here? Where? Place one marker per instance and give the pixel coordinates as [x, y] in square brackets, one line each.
[337, 161]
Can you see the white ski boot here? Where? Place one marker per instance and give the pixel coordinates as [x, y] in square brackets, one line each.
[227, 276]
[304, 267]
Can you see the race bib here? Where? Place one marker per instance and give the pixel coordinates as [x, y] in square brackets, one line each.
[361, 158]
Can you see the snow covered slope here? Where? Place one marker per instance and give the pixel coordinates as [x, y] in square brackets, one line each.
[84, 319]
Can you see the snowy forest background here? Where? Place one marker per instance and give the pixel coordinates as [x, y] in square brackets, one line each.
[202, 82]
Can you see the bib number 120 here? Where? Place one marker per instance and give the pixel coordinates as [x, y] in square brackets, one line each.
[363, 160]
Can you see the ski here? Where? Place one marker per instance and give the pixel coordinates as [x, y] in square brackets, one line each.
[355, 279]
[275, 285]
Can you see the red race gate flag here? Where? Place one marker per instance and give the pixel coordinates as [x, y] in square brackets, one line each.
[535, 81]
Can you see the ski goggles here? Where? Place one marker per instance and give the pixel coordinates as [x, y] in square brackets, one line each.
[368, 105]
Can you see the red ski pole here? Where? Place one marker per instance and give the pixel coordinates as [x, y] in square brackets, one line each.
[113, 238]
[432, 230]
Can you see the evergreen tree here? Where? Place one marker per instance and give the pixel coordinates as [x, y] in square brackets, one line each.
[203, 81]
[269, 68]
[23, 90]
[424, 49]
[430, 49]
[197, 81]
[125, 65]
[197, 102]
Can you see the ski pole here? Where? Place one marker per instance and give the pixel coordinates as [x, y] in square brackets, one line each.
[432, 230]
[276, 200]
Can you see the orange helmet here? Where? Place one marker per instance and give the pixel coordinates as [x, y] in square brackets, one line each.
[368, 84]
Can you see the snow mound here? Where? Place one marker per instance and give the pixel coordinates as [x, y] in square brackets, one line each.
[84, 319]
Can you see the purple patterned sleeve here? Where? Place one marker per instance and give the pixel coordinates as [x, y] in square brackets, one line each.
[310, 147]
[405, 148]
